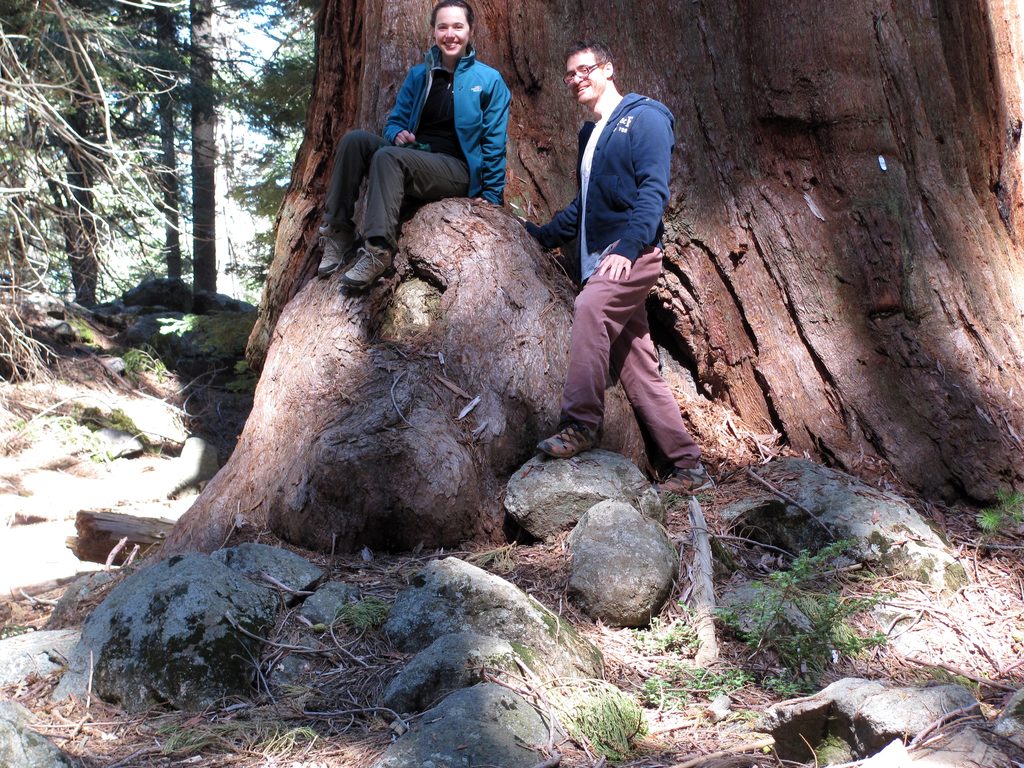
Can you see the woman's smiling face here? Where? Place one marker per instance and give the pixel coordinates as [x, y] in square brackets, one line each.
[452, 33]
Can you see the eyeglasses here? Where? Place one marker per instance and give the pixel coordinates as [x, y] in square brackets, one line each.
[582, 72]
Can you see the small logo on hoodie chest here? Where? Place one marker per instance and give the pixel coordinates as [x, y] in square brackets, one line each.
[623, 125]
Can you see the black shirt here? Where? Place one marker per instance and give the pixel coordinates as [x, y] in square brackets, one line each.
[437, 121]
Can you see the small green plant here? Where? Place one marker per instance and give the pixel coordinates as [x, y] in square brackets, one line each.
[672, 637]
[676, 686]
[144, 359]
[802, 620]
[368, 613]
[1009, 511]
[245, 379]
[658, 693]
[599, 714]
[787, 685]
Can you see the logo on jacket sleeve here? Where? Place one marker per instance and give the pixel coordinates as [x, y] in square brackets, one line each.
[624, 122]
[476, 88]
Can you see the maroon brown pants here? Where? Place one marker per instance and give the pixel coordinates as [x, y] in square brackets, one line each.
[610, 328]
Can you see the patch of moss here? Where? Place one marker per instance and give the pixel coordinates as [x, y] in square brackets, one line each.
[84, 332]
[525, 653]
[95, 418]
[831, 751]
[220, 334]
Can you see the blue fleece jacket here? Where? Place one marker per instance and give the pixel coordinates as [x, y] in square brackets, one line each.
[628, 188]
[481, 117]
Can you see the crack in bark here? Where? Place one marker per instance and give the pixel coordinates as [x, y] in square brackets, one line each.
[829, 383]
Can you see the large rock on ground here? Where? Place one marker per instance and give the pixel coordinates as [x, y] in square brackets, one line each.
[867, 715]
[449, 663]
[623, 565]
[35, 653]
[884, 528]
[451, 596]
[324, 605]
[1010, 724]
[169, 292]
[21, 747]
[166, 635]
[548, 496]
[259, 560]
[483, 725]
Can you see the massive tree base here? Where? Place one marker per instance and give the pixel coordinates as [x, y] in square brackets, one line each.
[393, 418]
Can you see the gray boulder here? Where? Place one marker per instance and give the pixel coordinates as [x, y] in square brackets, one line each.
[35, 653]
[119, 444]
[168, 634]
[623, 565]
[1010, 724]
[258, 560]
[483, 725]
[205, 302]
[867, 715]
[884, 528]
[548, 496]
[449, 663]
[322, 606]
[451, 596]
[23, 748]
[168, 292]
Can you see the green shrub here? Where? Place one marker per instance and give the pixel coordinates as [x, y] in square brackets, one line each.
[144, 359]
[803, 648]
[1009, 511]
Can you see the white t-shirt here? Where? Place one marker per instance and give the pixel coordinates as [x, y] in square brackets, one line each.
[590, 259]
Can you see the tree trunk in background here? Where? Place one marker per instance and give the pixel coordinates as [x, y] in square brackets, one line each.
[843, 245]
[204, 149]
[167, 34]
[78, 220]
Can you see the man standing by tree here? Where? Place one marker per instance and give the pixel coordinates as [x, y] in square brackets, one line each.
[623, 173]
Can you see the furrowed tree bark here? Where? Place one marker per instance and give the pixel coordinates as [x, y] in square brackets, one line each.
[843, 245]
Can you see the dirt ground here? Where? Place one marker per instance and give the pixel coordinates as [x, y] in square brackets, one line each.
[47, 476]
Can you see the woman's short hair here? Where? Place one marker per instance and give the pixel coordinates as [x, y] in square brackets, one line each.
[452, 4]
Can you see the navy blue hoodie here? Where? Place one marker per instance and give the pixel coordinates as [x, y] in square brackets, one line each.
[628, 188]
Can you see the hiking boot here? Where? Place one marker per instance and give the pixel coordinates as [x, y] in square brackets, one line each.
[687, 482]
[372, 262]
[572, 438]
[337, 246]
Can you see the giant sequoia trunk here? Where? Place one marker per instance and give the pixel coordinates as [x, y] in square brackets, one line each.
[844, 235]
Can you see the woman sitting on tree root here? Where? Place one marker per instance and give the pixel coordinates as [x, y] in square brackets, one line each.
[445, 137]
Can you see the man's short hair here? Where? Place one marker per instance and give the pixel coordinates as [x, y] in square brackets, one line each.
[452, 4]
[601, 51]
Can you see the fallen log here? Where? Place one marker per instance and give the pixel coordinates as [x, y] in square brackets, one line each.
[100, 531]
[703, 600]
